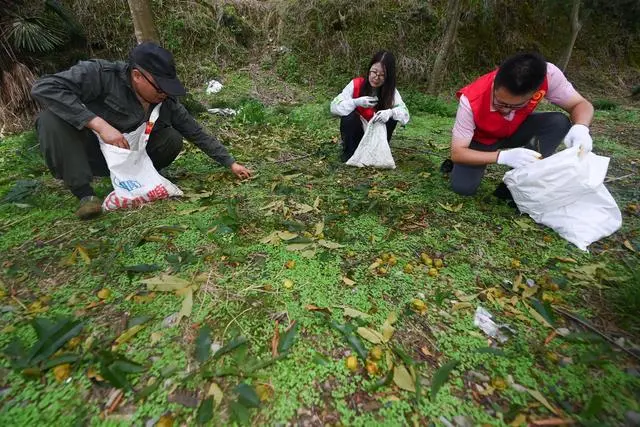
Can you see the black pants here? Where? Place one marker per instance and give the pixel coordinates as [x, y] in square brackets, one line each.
[74, 155]
[351, 132]
[549, 129]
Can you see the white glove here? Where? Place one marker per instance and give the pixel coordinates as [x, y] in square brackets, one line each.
[518, 157]
[366, 101]
[578, 136]
[382, 116]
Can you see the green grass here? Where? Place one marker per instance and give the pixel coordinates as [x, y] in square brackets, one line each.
[293, 149]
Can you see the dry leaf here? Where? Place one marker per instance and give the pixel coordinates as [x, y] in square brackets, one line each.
[540, 398]
[347, 281]
[128, 334]
[461, 306]
[165, 283]
[627, 244]
[62, 372]
[370, 335]
[355, 314]
[402, 378]
[216, 392]
[387, 332]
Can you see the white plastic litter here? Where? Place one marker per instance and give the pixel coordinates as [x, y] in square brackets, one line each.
[566, 193]
[484, 320]
[373, 149]
[214, 86]
[135, 180]
[223, 111]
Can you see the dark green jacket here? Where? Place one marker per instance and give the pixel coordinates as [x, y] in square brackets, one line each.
[102, 88]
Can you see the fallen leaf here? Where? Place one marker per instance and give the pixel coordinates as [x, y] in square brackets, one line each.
[387, 332]
[402, 378]
[104, 293]
[216, 392]
[540, 398]
[566, 259]
[299, 246]
[165, 283]
[552, 422]
[461, 306]
[519, 420]
[313, 307]
[451, 208]
[205, 411]
[128, 334]
[155, 337]
[187, 305]
[370, 335]
[355, 314]
[347, 281]
[627, 244]
[286, 235]
[264, 392]
[329, 245]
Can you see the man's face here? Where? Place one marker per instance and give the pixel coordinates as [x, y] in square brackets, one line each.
[505, 102]
[146, 87]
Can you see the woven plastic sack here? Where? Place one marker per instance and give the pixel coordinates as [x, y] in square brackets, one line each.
[135, 180]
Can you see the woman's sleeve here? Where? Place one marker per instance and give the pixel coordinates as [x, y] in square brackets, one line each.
[399, 110]
[343, 105]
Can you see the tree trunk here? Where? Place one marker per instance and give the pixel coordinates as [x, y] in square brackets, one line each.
[143, 21]
[450, 33]
[576, 25]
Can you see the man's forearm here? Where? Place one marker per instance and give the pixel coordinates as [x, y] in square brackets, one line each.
[467, 156]
[582, 113]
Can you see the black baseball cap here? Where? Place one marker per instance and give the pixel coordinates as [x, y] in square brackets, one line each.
[158, 62]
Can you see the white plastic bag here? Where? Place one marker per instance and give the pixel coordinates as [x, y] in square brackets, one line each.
[135, 180]
[566, 192]
[373, 149]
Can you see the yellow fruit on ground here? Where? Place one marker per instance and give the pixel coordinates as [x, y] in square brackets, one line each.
[376, 353]
[426, 260]
[433, 272]
[515, 263]
[104, 293]
[438, 263]
[165, 421]
[290, 264]
[62, 372]
[372, 367]
[385, 257]
[418, 305]
[408, 269]
[392, 260]
[288, 283]
[382, 270]
[352, 363]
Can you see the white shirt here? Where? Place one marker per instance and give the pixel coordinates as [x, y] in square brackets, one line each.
[343, 105]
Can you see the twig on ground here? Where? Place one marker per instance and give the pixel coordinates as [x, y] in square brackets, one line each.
[618, 178]
[593, 329]
[233, 320]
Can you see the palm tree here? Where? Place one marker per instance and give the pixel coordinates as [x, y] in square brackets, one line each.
[27, 29]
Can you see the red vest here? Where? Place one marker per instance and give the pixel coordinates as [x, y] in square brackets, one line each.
[367, 113]
[491, 126]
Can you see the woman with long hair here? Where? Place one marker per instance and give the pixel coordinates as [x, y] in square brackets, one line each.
[372, 97]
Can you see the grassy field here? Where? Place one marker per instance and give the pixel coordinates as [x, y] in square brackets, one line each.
[314, 293]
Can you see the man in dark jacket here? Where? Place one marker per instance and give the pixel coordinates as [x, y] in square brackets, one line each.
[112, 98]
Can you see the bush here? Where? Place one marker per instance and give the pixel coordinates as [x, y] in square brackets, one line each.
[605, 104]
[252, 112]
[419, 102]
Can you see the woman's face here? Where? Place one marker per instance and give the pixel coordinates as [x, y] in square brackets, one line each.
[376, 75]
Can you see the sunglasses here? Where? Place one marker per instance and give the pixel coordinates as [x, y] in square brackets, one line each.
[160, 91]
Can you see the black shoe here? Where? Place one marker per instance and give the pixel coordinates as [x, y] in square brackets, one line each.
[446, 166]
[502, 192]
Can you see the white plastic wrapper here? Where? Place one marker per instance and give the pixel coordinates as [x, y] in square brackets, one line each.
[214, 86]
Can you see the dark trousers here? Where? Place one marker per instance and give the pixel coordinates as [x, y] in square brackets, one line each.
[548, 128]
[74, 155]
[351, 132]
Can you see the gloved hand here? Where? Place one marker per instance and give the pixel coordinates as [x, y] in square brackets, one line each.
[517, 157]
[366, 101]
[382, 116]
[578, 136]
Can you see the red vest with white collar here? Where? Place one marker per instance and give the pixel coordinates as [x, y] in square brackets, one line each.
[367, 113]
[491, 126]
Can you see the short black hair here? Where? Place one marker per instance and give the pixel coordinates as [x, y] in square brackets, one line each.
[521, 73]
